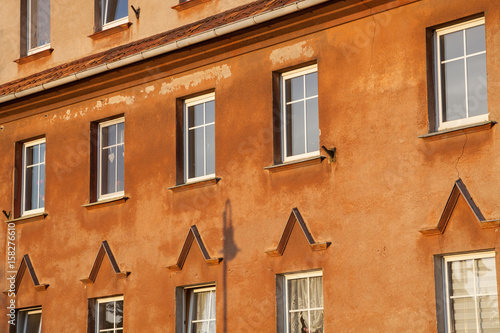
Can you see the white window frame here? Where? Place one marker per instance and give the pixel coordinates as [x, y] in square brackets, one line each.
[112, 24]
[447, 287]
[437, 61]
[286, 76]
[295, 276]
[187, 313]
[37, 49]
[107, 300]
[101, 196]
[187, 103]
[23, 182]
[31, 311]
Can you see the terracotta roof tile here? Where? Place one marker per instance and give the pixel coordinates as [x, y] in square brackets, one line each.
[136, 47]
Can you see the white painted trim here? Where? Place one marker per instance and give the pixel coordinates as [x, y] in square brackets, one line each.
[163, 49]
[26, 145]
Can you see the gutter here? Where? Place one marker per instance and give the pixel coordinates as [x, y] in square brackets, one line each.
[172, 46]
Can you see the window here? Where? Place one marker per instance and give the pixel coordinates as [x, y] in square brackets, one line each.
[199, 137]
[111, 159]
[109, 314]
[302, 296]
[299, 113]
[113, 13]
[199, 310]
[36, 26]
[33, 180]
[461, 74]
[470, 288]
[29, 320]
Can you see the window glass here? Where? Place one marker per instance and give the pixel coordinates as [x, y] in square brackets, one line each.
[201, 317]
[300, 113]
[112, 158]
[38, 24]
[462, 74]
[29, 320]
[115, 10]
[110, 315]
[200, 137]
[33, 177]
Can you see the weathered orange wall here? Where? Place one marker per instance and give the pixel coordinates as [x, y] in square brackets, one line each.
[385, 185]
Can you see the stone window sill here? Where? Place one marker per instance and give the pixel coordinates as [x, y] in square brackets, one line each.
[106, 202]
[483, 126]
[110, 31]
[28, 218]
[33, 57]
[193, 185]
[295, 164]
[188, 4]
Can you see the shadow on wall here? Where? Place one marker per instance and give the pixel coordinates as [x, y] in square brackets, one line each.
[229, 252]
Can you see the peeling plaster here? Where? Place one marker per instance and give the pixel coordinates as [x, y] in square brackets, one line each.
[150, 89]
[120, 99]
[291, 52]
[192, 80]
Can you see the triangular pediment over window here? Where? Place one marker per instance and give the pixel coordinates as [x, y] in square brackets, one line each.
[104, 250]
[193, 235]
[459, 190]
[26, 264]
[295, 217]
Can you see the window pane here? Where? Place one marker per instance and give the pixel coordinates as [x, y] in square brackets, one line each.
[42, 152]
[295, 135]
[475, 39]
[32, 155]
[40, 23]
[312, 125]
[316, 292]
[476, 85]
[488, 314]
[316, 321]
[108, 167]
[464, 314]
[33, 323]
[119, 314]
[210, 148]
[108, 136]
[31, 188]
[200, 327]
[121, 132]
[201, 308]
[486, 276]
[209, 112]
[116, 9]
[212, 327]
[294, 89]
[312, 84]
[453, 85]
[195, 115]
[120, 176]
[212, 305]
[452, 45]
[298, 322]
[462, 277]
[195, 153]
[297, 294]
[41, 189]
[106, 315]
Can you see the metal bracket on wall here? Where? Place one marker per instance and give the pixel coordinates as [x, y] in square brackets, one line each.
[136, 11]
[331, 153]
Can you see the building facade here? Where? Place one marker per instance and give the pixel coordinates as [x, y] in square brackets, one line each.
[291, 166]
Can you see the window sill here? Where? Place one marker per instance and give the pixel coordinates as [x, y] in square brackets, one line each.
[483, 126]
[193, 185]
[188, 4]
[29, 218]
[33, 57]
[110, 31]
[296, 164]
[106, 202]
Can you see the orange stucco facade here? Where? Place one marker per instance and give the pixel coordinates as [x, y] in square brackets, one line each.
[385, 185]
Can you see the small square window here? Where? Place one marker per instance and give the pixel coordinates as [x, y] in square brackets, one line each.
[107, 314]
[111, 13]
[470, 293]
[199, 138]
[29, 320]
[460, 53]
[299, 114]
[198, 309]
[33, 178]
[111, 159]
[300, 302]
[36, 26]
